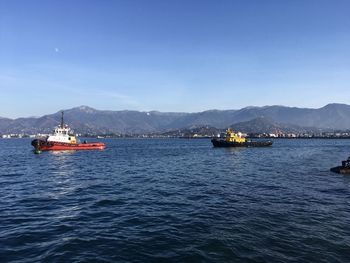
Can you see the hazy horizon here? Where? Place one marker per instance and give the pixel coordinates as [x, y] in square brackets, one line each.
[183, 56]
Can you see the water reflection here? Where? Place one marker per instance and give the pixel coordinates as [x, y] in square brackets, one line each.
[65, 175]
[62, 153]
[62, 162]
[62, 170]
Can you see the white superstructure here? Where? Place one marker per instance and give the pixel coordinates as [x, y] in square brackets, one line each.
[62, 133]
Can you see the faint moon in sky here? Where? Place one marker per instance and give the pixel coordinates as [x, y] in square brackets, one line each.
[56, 50]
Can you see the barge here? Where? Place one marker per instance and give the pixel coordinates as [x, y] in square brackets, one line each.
[233, 139]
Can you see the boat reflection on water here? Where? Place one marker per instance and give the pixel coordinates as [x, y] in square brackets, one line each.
[62, 163]
[63, 152]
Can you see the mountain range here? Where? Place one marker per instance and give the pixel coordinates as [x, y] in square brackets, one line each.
[85, 119]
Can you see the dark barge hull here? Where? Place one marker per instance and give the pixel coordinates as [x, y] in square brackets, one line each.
[223, 143]
[341, 170]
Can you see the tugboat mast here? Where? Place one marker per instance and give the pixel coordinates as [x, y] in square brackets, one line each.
[62, 120]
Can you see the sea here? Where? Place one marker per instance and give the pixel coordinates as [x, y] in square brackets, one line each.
[175, 200]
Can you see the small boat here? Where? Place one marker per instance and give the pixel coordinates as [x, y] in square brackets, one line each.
[233, 139]
[64, 139]
[344, 168]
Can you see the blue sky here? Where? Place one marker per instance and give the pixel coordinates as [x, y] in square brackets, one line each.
[172, 55]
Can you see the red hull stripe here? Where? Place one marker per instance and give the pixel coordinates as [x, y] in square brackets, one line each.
[65, 146]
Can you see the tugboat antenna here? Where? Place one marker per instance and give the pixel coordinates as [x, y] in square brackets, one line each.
[62, 120]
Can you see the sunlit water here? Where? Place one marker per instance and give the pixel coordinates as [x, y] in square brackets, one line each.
[175, 201]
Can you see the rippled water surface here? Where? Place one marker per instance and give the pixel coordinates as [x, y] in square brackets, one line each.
[175, 201]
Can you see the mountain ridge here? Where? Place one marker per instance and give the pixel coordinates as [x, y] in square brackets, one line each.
[88, 108]
[85, 119]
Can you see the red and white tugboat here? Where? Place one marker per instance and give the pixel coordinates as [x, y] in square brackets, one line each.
[64, 139]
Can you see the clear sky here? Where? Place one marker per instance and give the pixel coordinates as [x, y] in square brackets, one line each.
[172, 55]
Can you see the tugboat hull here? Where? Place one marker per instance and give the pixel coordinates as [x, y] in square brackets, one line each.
[224, 143]
[43, 145]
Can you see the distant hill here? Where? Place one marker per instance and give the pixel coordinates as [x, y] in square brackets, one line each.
[266, 125]
[85, 119]
[331, 116]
